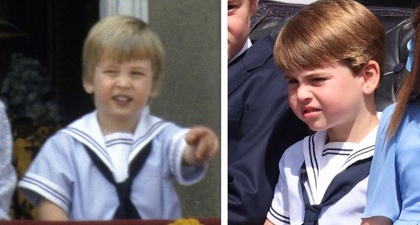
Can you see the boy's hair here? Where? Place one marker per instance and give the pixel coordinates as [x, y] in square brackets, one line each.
[331, 31]
[123, 38]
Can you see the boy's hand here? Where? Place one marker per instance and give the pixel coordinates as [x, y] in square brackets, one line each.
[202, 146]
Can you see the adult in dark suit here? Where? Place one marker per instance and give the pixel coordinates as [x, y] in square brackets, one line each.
[260, 125]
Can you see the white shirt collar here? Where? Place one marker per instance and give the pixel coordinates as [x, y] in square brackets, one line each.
[247, 45]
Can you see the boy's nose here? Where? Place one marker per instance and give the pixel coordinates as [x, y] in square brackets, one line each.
[123, 81]
[303, 94]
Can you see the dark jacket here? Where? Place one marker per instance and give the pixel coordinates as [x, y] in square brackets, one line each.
[261, 126]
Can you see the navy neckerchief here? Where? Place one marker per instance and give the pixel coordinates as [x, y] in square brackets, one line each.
[338, 188]
[126, 209]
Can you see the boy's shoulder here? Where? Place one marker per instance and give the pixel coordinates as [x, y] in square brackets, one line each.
[295, 153]
[86, 129]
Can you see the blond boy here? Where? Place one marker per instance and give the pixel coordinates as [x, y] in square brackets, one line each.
[119, 161]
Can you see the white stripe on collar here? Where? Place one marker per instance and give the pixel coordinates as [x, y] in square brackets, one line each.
[87, 131]
[247, 45]
[313, 147]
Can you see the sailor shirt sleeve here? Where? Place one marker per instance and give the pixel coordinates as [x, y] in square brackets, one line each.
[277, 213]
[184, 174]
[49, 175]
[7, 171]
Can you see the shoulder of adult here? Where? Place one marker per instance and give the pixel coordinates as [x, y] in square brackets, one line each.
[259, 53]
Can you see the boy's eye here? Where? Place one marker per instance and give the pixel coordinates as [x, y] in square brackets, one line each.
[292, 81]
[137, 73]
[232, 6]
[110, 72]
[318, 79]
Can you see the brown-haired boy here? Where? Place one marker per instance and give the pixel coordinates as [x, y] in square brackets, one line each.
[332, 52]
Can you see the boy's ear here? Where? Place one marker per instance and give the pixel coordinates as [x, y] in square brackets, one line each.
[88, 86]
[155, 89]
[371, 76]
[253, 7]
[154, 93]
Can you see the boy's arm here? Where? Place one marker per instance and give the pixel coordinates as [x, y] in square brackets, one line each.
[202, 146]
[376, 220]
[47, 210]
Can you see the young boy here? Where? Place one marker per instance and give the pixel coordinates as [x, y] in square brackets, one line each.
[332, 52]
[118, 162]
[261, 124]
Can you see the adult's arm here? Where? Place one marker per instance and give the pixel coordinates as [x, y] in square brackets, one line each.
[7, 171]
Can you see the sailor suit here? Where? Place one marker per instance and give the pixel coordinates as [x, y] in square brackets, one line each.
[64, 173]
[320, 163]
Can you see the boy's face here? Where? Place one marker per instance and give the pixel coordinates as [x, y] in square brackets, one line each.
[121, 89]
[326, 98]
[239, 15]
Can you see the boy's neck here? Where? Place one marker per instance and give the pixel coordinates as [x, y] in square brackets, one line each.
[355, 131]
[109, 125]
[247, 45]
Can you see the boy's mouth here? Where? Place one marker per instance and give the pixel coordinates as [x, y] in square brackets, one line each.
[310, 110]
[122, 98]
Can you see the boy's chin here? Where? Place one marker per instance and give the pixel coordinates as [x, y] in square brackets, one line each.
[315, 127]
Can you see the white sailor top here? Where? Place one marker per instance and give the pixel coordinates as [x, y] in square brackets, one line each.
[323, 162]
[63, 172]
